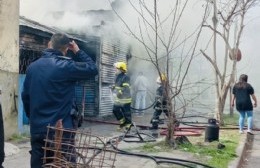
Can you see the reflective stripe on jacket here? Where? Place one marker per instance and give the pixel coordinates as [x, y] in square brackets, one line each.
[122, 89]
[161, 100]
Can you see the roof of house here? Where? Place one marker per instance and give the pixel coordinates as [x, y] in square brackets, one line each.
[36, 26]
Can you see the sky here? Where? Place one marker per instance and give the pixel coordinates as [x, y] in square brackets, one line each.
[39, 10]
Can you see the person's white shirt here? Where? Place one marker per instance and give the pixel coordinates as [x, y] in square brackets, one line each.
[141, 83]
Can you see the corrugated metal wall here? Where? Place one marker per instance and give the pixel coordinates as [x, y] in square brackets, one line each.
[112, 51]
[85, 97]
[87, 92]
[94, 96]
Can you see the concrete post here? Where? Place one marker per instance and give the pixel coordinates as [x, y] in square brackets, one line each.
[9, 63]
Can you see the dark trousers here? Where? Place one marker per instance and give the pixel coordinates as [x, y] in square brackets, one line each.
[123, 112]
[37, 151]
[156, 117]
[2, 142]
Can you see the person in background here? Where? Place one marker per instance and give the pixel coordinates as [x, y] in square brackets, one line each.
[140, 87]
[48, 90]
[122, 96]
[242, 94]
[2, 139]
[161, 102]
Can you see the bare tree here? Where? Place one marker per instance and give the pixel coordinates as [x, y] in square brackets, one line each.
[161, 38]
[226, 15]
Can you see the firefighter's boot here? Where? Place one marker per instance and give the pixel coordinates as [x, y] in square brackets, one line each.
[121, 124]
[127, 126]
[155, 123]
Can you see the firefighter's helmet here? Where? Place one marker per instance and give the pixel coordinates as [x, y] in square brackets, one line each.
[121, 66]
[164, 78]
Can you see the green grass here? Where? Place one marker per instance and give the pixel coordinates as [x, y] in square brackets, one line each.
[206, 153]
[218, 158]
[155, 147]
[228, 120]
[18, 138]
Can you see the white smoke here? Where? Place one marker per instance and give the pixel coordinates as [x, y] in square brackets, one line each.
[38, 9]
[42, 11]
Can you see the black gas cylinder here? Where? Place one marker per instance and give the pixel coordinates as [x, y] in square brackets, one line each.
[212, 131]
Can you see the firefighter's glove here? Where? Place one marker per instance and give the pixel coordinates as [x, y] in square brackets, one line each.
[112, 87]
[119, 94]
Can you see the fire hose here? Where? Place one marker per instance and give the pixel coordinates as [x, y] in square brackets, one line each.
[144, 108]
[157, 159]
[111, 92]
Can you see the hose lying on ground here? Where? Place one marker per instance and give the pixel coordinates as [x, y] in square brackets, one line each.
[158, 159]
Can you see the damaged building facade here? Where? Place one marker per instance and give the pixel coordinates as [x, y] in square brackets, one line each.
[92, 96]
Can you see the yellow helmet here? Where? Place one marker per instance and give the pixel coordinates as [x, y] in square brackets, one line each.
[121, 66]
[164, 78]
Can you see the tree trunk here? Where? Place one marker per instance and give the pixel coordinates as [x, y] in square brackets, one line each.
[220, 110]
[221, 104]
[172, 118]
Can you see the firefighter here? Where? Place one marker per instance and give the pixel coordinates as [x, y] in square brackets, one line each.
[161, 102]
[122, 96]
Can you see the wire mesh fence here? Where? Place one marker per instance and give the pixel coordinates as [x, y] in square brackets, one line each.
[77, 149]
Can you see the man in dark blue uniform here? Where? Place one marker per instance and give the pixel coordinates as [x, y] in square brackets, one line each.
[49, 88]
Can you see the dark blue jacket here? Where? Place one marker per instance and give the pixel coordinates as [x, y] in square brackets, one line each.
[161, 99]
[49, 88]
[122, 89]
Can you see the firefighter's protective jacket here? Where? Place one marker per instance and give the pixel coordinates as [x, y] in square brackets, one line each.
[161, 100]
[122, 89]
[49, 87]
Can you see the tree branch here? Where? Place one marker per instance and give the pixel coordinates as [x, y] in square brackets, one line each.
[212, 63]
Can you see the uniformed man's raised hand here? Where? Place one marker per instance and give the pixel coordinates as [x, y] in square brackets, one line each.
[74, 47]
